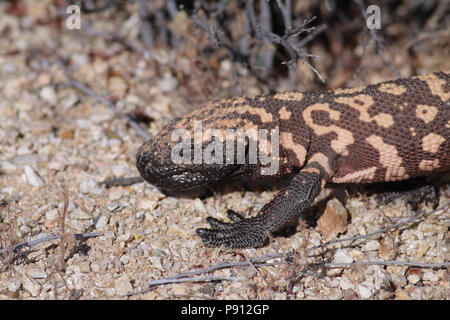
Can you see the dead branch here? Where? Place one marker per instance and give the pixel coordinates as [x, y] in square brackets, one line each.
[287, 40]
[63, 236]
[383, 263]
[121, 181]
[50, 237]
[159, 282]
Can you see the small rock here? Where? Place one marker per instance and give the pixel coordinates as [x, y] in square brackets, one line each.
[36, 272]
[118, 169]
[8, 167]
[80, 214]
[430, 276]
[33, 177]
[387, 248]
[364, 292]
[123, 285]
[180, 290]
[14, 285]
[52, 214]
[95, 267]
[167, 83]
[148, 204]
[392, 212]
[102, 222]
[69, 101]
[67, 134]
[115, 193]
[48, 94]
[413, 278]
[31, 285]
[118, 87]
[414, 275]
[157, 263]
[124, 259]
[342, 256]
[333, 220]
[89, 185]
[26, 159]
[372, 245]
[402, 295]
[346, 284]
[124, 237]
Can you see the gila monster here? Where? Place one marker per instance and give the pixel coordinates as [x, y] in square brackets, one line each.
[394, 130]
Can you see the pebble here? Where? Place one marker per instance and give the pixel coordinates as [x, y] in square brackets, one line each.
[413, 278]
[125, 237]
[372, 245]
[346, 284]
[25, 159]
[364, 292]
[102, 222]
[89, 185]
[180, 290]
[167, 83]
[36, 272]
[33, 177]
[429, 275]
[80, 214]
[157, 263]
[148, 204]
[69, 101]
[31, 285]
[115, 193]
[52, 214]
[117, 169]
[333, 220]
[123, 285]
[8, 167]
[48, 94]
[125, 259]
[118, 87]
[342, 256]
[14, 284]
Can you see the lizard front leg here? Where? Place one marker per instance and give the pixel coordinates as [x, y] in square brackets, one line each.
[287, 205]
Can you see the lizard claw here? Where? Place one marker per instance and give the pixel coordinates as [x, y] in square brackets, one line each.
[239, 234]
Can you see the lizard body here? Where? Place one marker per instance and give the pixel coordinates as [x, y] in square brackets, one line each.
[394, 130]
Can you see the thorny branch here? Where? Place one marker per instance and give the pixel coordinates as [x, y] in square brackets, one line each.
[295, 50]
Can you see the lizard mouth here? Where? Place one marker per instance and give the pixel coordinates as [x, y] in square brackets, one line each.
[170, 176]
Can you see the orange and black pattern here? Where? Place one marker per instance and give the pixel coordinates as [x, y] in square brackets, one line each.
[388, 131]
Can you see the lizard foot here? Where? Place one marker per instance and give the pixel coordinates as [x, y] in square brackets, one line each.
[239, 234]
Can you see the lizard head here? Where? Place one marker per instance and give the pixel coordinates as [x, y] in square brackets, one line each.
[215, 142]
[174, 159]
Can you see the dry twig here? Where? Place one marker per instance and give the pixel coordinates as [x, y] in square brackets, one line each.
[49, 237]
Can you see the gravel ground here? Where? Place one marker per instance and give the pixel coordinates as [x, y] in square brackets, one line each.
[57, 144]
